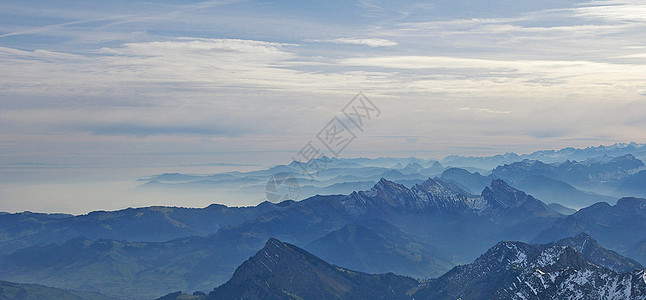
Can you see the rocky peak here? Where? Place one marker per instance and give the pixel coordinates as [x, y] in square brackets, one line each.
[439, 187]
[596, 254]
[579, 242]
[509, 254]
[627, 161]
[437, 165]
[412, 167]
[632, 203]
[283, 271]
[388, 189]
[557, 258]
[384, 184]
[500, 195]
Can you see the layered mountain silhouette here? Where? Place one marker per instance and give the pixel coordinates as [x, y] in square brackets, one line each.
[379, 216]
[571, 177]
[606, 172]
[131, 270]
[509, 270]
[548, 156]
[151, 224]
[466, 180]
[356, 246]
[570, 183]
[619, 227]
[419, 231]
[557, 191]
[433, 213]
[635, 185]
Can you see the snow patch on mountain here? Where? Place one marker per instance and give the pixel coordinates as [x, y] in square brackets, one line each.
[549, 256]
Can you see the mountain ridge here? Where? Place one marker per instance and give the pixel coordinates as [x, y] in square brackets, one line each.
[608, 224]
[508, 270]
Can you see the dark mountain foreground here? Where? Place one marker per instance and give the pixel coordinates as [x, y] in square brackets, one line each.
[19, 291]
[509, 270]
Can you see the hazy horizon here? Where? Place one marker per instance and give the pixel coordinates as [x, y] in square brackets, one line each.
[79, 189]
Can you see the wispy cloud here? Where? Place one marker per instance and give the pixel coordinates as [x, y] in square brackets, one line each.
[374, 42]
[486, 110]
[614, 10]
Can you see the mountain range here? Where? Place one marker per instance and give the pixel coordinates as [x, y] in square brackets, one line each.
[150, 224]
[420, 231]
[355, 246]
[593, 172]
[571, 177]
[411, 217]
[619, 227]
[547, 156]
[515, 270]
[426, 214]
[570, 183]
[575, 268]
[19, 291]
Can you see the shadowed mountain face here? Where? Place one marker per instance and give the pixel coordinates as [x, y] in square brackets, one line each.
[594, 253]
[131, 270]
[283, 271]
[614, 226]
[152, 224]
[464, 178]
[499, 195]
[561, 209]
[509, 270]
[375, 246]
[18, 291]
[635, 185]
[557, 191]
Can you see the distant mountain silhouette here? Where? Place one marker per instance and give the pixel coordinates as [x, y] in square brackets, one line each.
[538, 179]
[376, 246]
[634, 185]
[617, 227]
[547, 156]
[155, 223]
[608, 173]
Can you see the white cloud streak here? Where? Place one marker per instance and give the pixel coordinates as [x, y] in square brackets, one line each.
[373, 42]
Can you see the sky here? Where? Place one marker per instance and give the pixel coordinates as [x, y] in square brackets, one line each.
[95, 92]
